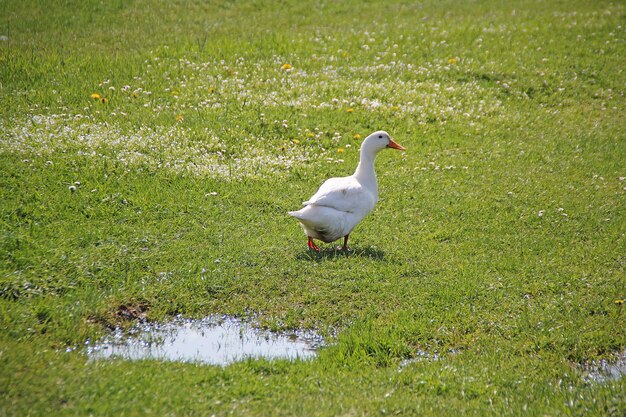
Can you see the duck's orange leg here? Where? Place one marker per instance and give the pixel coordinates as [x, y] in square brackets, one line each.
[312, 245]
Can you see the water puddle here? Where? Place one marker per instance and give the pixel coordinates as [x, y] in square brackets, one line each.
[603, 371]
[212, 340]
[424, 356]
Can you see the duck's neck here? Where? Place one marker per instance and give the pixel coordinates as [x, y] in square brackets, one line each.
[365, 173]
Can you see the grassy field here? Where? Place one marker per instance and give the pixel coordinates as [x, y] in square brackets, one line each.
[150, 150]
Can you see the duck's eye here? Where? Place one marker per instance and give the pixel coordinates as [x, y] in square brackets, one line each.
[380, 136]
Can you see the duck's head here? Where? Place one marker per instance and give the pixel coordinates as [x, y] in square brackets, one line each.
[378, 141]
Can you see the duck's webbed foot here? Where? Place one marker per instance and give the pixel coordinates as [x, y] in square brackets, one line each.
[345, 246]
[312, 245]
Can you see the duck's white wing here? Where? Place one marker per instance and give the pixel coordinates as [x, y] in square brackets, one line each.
[343, 194]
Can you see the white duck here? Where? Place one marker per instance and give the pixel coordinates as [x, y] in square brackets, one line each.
[341, 203]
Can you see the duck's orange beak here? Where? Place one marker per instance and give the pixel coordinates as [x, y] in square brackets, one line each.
[395, 145]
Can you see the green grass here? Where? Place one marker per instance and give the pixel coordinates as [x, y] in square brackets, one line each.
[498, 244]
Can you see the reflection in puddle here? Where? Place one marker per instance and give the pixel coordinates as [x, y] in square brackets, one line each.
[212, 340]
[423, 356]
[604, 371]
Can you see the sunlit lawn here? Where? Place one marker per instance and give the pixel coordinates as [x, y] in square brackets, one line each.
[150, 151]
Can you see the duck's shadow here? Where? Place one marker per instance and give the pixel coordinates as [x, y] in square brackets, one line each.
[332, 253]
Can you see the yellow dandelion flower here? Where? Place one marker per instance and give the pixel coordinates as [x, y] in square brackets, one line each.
[350, 110]
[340, 150]
[453, 60]
[95, 96]
[619, 302]
[296, 141]
[179, 118]
[286, 67]
[357, 136]
[310, 135]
